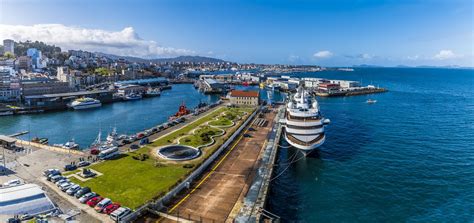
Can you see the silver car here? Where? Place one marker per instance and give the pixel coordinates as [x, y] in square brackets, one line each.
[87, 197]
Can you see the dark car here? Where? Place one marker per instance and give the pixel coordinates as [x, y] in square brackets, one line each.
[247, 135]
[134, 146]
[144, 141]
[82, 191]
[70, 167]
[126, 141]
[251, 129]
[86, 173]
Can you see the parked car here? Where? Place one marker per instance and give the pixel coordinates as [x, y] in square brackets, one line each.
[63, 180]
[94, 201]
[95, 151]
[64, 186]
[144, 141]
[13, 182]
[247, 135]
[120, 213]
[140, 135]
[51, 171]
[52, 175]
[56, 178]
[126, 141]
[70, 167]
[82, 191]
[134, 146]
[86, 197]
[102, 204]
[111, 208]
[73, 189]
[83, 164]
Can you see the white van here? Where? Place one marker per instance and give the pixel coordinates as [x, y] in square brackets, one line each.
[118, 214]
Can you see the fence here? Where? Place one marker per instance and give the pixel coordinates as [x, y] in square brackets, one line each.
[159, 204]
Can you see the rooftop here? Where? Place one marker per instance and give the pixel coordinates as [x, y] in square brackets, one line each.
[79, 93]
[238, 93]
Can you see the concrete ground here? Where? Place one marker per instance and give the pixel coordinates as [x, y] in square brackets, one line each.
[222, 189]
[28, 165]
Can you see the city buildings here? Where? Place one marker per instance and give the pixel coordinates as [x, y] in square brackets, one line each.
[9, 85]
[35, 56]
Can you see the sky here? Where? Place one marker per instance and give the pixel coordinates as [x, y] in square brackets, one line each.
[327, 33]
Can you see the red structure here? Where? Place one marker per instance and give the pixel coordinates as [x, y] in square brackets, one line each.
[182, 111]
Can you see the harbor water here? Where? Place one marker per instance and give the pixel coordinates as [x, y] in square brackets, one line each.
[407, 158]
[84, 125]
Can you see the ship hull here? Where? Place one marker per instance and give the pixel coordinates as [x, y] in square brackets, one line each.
[80, 107]
[305, 149]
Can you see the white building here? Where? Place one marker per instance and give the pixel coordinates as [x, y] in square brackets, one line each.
[10, 90]
[9, 46]
[311, 82]
[346, 84]
[24, 199]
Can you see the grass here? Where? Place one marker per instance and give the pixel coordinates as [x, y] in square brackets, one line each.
[221, 121]
[200, 137]
[132, 182]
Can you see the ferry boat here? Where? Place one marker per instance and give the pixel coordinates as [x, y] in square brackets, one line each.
[85, 103]
[304, 124]
[132, 96]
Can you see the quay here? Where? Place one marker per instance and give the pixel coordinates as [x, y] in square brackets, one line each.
[221, 191]
[351, 93]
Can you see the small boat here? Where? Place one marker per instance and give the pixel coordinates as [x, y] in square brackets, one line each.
[5, 113]
[132, 96]
[370, 101]
[153, 92]
[43, 141]
[182, 111]
[68, 145]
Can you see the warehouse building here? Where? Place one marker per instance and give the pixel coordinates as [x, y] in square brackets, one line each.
[24, 199]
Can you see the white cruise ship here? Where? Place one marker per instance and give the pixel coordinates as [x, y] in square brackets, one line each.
[304, 124]
[84, 103]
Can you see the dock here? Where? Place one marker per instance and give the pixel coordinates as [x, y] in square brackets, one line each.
[218, 194]
[253, 208]
[19, 134]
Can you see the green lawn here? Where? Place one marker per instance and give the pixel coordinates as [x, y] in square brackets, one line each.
[132, 183]
[221, 121]
[201, 136]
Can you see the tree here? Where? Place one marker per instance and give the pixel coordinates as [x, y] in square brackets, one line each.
[9, 55]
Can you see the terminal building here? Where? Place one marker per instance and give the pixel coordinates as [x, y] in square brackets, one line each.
[24, 199]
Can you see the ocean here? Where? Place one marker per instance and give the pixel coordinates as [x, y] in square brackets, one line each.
[407, 158]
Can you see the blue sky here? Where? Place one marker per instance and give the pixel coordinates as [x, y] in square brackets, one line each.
[330, 33]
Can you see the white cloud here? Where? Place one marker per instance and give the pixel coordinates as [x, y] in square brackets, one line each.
[445, 54]
[416, 57]
[125, 42]
[323, 54]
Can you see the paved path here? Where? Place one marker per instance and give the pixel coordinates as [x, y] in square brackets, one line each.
[215, 194]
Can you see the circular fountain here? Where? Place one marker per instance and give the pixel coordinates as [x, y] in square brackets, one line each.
[178, 152]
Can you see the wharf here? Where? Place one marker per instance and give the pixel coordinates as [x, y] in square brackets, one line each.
[256, 198]
[219, 193]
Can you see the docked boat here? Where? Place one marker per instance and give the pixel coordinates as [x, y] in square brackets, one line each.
[152, 92]
[43, 141]
[304, 124]
[85, 103]
[5, 113]
[68, 145]
[132, 96]
[182, 111]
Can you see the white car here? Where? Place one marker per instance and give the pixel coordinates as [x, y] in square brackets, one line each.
[64, 186]
[61, 182]
[118, 214]
[13, 182]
